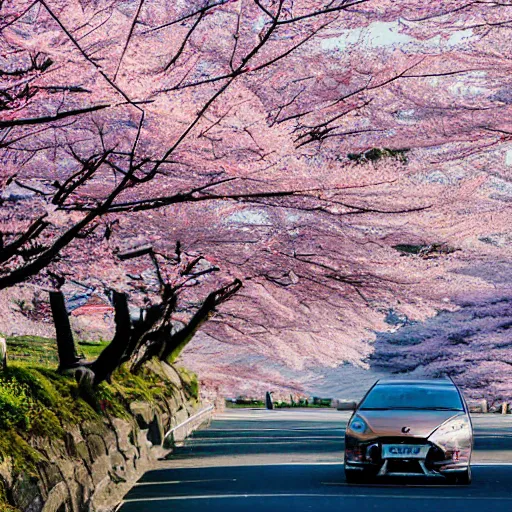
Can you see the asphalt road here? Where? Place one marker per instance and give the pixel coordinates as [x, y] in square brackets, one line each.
[253, 460]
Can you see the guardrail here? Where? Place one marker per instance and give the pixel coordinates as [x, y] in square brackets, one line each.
[183, 430]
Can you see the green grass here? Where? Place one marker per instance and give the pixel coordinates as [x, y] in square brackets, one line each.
[43, 351]
[91, 350]
[33, 349]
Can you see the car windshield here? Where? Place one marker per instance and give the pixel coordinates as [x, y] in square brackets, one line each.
[403, 396]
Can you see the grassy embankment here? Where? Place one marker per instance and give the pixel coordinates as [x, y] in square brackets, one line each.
[37, 401]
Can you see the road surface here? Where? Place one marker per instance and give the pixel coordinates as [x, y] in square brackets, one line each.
[291, 460]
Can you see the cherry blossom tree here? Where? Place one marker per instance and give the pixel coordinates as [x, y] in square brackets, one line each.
[294, 145]
[111, 160]
[447, 344]
[155, 332]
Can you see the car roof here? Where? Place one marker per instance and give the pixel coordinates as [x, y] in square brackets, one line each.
[416, 382]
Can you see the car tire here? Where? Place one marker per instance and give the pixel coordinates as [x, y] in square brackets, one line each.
[463, 478]
[354, 477]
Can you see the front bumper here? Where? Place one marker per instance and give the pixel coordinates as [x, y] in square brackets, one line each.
[387, 469]
[366, 457]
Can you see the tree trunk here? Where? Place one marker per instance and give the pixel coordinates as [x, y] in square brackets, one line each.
[110, 357]
[3, 354]
[141, 330]
[68, 357]
[179, 340]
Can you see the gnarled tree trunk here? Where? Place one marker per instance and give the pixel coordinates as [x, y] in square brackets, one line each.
[68, 357]
[110, 358]
[135, 341]
[164, 344]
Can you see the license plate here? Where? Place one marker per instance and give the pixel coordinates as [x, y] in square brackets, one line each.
[404, 451]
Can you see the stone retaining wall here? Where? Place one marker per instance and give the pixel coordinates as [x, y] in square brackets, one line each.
[97, 462]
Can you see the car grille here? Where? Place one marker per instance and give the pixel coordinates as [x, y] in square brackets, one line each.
[373, 452]
[399, 466]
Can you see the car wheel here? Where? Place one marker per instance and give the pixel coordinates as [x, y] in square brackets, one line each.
[354, 477]
[462, 478]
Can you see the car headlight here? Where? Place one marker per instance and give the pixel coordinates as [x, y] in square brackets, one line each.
[454, 438]
[358, 425]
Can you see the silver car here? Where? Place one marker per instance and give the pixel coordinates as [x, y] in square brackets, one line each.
[406, 428]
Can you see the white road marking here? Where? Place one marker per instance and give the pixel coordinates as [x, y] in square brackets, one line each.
[275, 441]
[491, 464]
[336, 463]
[394, 486]
[494, 436]
[257, 463]
[320, 495]
[238, 438]
[319, 463]
[298, 429]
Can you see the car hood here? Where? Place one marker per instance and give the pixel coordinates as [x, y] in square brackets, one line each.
[418, 423]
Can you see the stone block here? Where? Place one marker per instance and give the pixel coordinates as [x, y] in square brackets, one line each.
[57, 497]
[100, 469]
[93, 427]
[96, 446]
[155, 434]
[124, 432]
[84, 485]
[49, 474]
[143, 413]
[118, 465]
[181, 416]
[27, 494]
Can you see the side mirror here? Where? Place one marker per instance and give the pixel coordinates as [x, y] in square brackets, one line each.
[346, 405]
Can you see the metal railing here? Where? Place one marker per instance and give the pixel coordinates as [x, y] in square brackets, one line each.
[183, 430]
